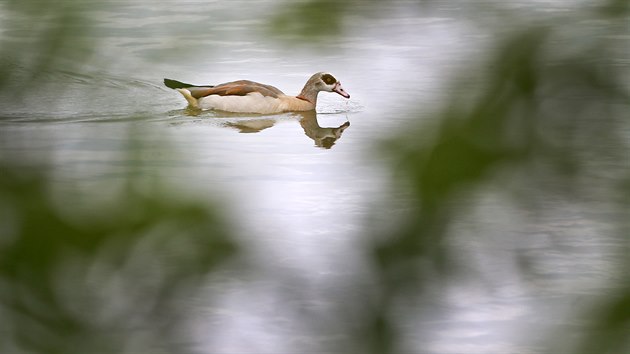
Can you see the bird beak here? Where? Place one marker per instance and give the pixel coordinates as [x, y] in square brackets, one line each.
[337, 88]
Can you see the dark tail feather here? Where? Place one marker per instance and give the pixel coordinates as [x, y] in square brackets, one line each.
[174, 84]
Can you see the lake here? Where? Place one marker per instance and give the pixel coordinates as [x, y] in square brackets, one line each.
[298, 188]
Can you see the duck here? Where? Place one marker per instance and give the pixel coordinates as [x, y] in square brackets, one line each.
[244, 96]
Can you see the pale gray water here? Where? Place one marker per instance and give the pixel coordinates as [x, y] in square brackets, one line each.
[300, 208]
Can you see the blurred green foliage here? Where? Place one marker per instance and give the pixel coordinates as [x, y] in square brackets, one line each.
[89, 282]
[540, 115]
[550, 111]
[310, 19]
[552, 108]
[77, 275]
[56, 36]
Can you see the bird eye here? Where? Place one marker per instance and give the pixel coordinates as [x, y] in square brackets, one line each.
[329, 79]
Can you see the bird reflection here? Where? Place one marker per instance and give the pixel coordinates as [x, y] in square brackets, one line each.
[324, 137]
[251, 126]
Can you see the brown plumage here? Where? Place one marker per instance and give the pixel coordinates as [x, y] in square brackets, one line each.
[236, 88]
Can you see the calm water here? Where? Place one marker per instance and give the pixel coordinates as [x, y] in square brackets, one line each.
[298, 186]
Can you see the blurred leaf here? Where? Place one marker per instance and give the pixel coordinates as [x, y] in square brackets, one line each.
[311, 19]
[73, 286]
[532, 115]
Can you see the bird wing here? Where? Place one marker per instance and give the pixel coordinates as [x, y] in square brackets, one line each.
[236, 88]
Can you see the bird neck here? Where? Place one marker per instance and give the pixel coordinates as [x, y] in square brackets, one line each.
[308, 94]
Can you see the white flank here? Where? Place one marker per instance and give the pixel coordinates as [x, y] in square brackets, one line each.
[253, 102]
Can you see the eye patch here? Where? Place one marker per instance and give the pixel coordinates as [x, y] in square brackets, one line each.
[328, 79]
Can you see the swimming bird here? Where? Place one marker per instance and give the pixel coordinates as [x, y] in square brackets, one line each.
[246, 96]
